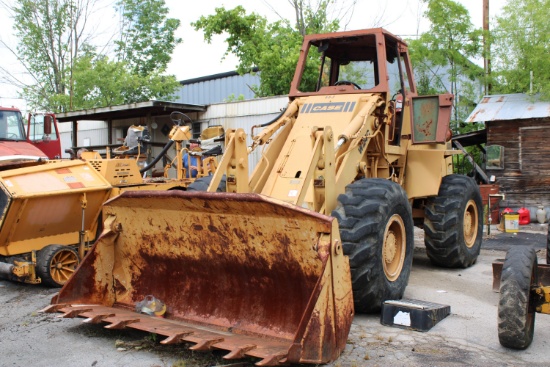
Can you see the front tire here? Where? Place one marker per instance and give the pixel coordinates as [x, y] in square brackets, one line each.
[453, 223]
[516, 309]
[55, 264]
[376, 229]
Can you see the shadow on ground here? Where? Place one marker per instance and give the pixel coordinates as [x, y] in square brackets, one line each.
[529, 235]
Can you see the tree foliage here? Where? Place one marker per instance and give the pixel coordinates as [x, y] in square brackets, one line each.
[100, 81]
[273, 48]
[50, 39]
[147, 35]
[67, 73]
[521, 45]
[441, 55]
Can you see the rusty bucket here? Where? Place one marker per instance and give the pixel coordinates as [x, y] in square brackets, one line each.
[238, 272]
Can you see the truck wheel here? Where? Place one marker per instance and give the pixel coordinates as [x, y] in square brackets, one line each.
[516, 311]
[453, 223]
[202, 183]
[55, 264]
[376, 229]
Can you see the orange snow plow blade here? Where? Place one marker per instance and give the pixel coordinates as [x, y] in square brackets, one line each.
[238, 272]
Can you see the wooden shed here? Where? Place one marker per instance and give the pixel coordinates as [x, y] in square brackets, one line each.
[518, 148]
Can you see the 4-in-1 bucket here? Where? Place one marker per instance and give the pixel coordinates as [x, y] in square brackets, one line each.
[511, 222]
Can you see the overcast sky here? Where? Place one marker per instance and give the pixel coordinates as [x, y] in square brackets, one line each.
[195, 58]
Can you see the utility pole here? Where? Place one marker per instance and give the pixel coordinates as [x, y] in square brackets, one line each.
[486, 47]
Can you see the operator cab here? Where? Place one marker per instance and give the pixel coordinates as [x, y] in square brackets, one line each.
[353, 62]
[358, 62]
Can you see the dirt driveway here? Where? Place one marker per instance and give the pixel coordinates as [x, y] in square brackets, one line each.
[468, 336]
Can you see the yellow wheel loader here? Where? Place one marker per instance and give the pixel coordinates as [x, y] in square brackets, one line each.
[274, 266]
[51, 212]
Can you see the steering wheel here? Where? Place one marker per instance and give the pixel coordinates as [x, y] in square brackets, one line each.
[177, 118]
[347, 82]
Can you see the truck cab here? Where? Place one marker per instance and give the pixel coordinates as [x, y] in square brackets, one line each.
[23, 145]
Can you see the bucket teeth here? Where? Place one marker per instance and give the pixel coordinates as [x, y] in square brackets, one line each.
[75, 312]
[206, 344]
[269, 352]
[176, 338]
[53, 308]
[121, 324]
[272, 360]
[239, 352]
[98, 318]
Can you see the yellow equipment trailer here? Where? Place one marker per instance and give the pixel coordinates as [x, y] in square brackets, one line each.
[274, 267]
[51, 212]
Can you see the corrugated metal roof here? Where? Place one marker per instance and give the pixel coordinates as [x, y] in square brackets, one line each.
[217, 88]
[509, 107]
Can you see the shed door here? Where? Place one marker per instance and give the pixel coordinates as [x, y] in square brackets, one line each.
[534, 150]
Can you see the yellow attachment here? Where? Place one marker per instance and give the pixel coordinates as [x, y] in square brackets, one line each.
[239, 272]
[544, 292]
[118, 171]
[44, 204]
[212, 132]
[90, 155]
[180, 133]
[26, 270]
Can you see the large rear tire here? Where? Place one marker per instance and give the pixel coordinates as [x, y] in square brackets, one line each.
[376, 229]
[202, 183]
[516, 309]
[453, 223]
[55, 264]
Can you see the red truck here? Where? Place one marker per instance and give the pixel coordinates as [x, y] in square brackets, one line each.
[24, 144]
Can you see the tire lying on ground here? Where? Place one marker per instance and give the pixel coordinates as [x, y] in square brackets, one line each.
[453, 223]
[516, 309]
[55, 264]
[376, 229]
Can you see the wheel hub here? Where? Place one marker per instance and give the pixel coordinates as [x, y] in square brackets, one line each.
[469, 226]
[394, 247]
[390, 248]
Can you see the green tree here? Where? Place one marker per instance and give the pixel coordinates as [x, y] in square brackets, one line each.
[521, 46]
[50, 37]
[147, 35]
[99, 81]
[441, 56]
[273, 48]
[66, 73]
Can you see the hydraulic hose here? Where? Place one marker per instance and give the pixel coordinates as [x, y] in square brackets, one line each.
[158, 157]
[267, 123]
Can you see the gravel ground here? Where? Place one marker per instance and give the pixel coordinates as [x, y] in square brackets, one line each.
[468, 336]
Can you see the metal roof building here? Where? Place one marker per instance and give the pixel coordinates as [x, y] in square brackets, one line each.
[517, 134]
[217, 88]
[517, 106]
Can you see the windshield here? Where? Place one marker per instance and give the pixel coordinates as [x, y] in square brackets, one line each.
[350, 61]
[11, 125]
[359, 61]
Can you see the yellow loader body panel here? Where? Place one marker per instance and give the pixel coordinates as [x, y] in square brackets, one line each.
[246, 273]
[43, 205]
[59, 204]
